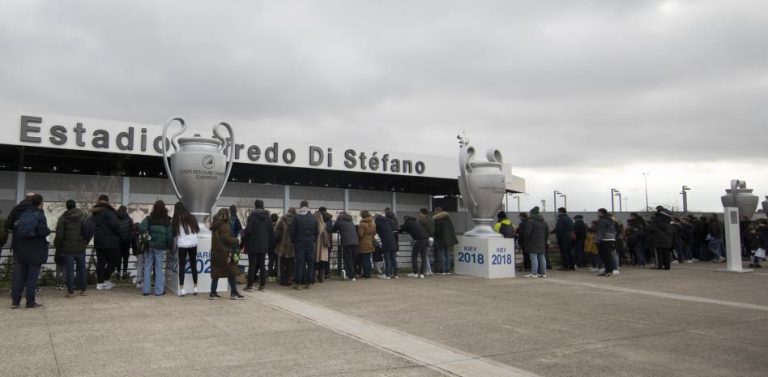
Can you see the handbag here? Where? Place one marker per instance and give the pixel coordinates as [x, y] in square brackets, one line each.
[143, 244]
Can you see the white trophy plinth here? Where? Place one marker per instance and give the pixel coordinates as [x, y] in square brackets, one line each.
[732, 241]
[485, 257]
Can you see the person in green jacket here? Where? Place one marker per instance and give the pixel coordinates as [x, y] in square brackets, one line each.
[445, 239]
[158, 224]
[71, 245]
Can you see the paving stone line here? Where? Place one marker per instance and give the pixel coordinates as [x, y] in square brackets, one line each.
[422, 351]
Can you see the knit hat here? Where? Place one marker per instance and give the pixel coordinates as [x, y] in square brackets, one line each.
[535, 210]
[501, 215]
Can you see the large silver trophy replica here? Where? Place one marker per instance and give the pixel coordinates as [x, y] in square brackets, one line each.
[741, 197]
[198, 171]
[482, 185]
[200, 168]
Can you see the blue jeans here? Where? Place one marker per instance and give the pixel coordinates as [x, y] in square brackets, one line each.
[538, 263]
[154, 258]
[443, 260]
[390, 263]
[72, 261]
[24, 276]
[715, 246]
[640, 253]
[304, 267]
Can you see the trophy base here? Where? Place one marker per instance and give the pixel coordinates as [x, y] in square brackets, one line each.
[483, 229]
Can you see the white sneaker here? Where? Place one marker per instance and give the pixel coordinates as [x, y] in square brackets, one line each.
[353, 279]
[421, 276]
[107, 284]
[343, 275]
[543, 276]
[182, 292]
[602, 270]
[689, 261]
[99, 286]
[138, 285]
[412, 275]
[592, 269]
[674, 262]
[532, 276]
[615, 272]
[194, 291]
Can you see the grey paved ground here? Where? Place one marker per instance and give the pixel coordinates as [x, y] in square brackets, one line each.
[573, 324]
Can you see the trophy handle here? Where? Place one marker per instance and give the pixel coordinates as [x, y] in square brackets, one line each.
[467, 153]
[493, 155]
[225, 142]
[175, 148]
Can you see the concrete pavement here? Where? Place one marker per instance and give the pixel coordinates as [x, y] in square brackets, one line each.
[691, 321]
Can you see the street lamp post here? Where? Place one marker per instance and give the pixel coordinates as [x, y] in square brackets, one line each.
[613, 193]
[554, 200]
[685, 198]
[645, 179]
[565, 200]
[619, 195]
[543, 205]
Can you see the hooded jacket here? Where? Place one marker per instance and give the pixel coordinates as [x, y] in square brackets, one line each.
[445, 234]
[346, 229]
[258, 232]
[222, 243]
[282, 230]
[69, 232]
[384, 230]
[365, 231]
[107, 228]
[661, 234]
[412, 227]
[535, 234]
[304, 228]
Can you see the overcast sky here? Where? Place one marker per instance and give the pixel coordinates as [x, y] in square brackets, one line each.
[580, 96]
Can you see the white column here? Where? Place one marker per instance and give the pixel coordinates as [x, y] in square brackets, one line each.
[346, 200]
[21, 185]
[286, 198]
[126, 191]
[732, 241]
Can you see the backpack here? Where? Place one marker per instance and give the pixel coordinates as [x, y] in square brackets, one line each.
[26, 225]
[87, 229]
[507, 230]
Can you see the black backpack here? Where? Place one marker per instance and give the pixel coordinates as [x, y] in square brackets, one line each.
[26, 225]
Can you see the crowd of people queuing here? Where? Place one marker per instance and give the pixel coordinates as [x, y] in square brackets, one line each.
[606, 244]
[293, 249]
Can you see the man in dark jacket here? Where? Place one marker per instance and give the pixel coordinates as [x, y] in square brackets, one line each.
[535, 236]
[30, 251]
[106, 241]
[445, 239]
[349, 243]
[257, 238]
[303, 235]
[420, 243]
[384, 230]
[324, 267]
[126, 227]
[70, 243]
[606, 241]
[563, 232]
[661, 236]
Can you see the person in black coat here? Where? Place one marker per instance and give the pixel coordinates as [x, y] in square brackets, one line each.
[126, 226]
[257, 239]
[272, 268]
[563, 232]
[661, 236]
[580, 235]
[387, 237]
[349, 243]
[420, 243]
[30, 252]
[106, 241]
[519, 236]
[304, 233]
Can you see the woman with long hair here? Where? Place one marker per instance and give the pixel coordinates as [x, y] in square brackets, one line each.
[158, 224]
[185, 231]
[223, 259]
